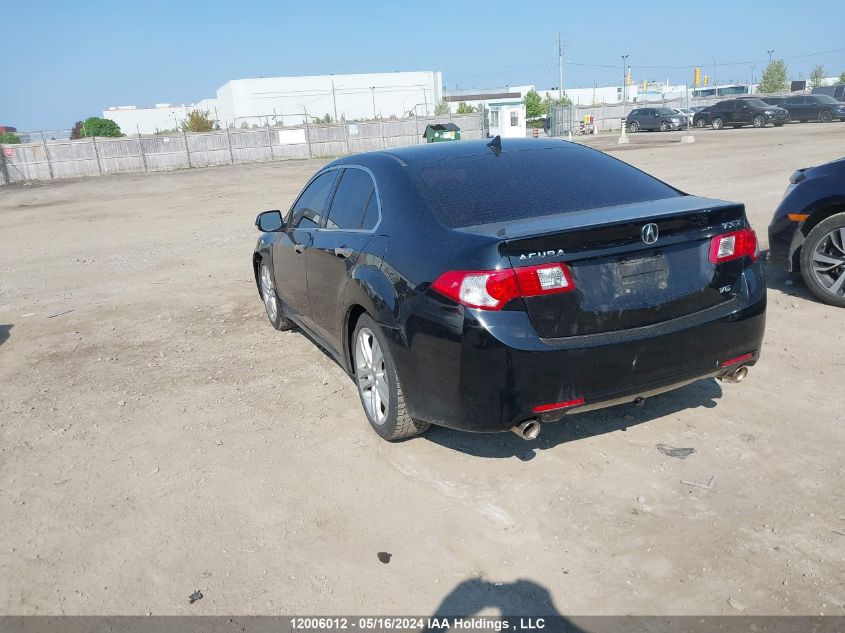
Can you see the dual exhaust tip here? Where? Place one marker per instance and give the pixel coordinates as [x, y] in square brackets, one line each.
[530, 429]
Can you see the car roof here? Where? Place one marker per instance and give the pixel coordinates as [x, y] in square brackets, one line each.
[431, 152]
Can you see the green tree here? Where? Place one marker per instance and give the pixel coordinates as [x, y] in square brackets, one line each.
[95, 126]
[533, 104]
[199, 121]
[441, 108]
[817, 77]
[842, 77]
[774, 78]
[463, 108]
[9, 138]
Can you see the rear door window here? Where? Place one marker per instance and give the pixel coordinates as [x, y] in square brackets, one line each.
[351, 200]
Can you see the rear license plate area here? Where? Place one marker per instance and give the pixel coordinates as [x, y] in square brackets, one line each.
[641, 274]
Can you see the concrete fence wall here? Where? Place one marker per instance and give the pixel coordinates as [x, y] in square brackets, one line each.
[47, 160]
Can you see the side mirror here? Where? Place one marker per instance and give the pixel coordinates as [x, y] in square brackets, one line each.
[270, 221]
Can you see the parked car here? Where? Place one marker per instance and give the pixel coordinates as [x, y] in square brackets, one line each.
[663, 119]
[489, 286]
[702, 118]
[807, 232]
[739, 112]
[773, 101]
[837, 92]
[686, 113]
[818, 107]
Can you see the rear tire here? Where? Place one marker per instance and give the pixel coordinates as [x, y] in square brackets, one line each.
[271, 300]
[759, 121]
[826, 116]
[378, 384]
[718, 123]
[823, 248]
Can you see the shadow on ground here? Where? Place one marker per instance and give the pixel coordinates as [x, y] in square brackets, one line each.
[703, 393]
[4, 332]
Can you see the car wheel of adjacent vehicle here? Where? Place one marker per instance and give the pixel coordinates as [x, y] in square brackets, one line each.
[759, 121]
[823, 260]
[701, 123]
[633, 126]
[718, 123]
[827, 116]
[664, 126]
[271, 301]
[379, 386]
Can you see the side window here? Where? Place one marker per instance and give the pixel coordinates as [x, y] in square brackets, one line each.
[371, 213]
[351, 200]
[308, 210]
[494, 118]
[514, 119]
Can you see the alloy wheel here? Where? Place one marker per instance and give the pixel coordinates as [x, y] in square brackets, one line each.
[268, 294]
[371, 374]
[829, 262]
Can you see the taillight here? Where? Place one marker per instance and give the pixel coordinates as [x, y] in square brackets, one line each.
[492, 289]
[728, 246]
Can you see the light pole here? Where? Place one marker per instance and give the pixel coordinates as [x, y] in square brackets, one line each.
[623, 137]
[770, 55]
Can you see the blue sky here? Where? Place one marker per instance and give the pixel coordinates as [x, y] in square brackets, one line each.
[66, 60]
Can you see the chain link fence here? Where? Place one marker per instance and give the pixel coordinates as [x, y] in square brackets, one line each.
[47, 155]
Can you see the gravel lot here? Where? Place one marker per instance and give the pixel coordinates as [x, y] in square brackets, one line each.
[157, 436]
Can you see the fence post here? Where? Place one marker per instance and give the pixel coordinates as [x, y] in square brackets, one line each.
[383, 141]
[346, 134]
[96, 155]
[269, 141]
[47, 154]
[187, 149]
[308, 136]
[143, 156]
[229, 141]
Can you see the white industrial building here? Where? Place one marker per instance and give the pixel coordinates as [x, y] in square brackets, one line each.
[287, 101]
[505, 107]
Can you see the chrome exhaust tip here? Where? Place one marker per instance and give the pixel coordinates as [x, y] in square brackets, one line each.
[528, 430]
[736, 376]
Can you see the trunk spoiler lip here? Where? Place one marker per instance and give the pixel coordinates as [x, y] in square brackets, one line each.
[597, 217]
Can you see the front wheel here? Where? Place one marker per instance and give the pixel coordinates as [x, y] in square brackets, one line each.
[271, 301]
[633, 126]
[823, 260]
[701, 123]
[379, 386]
[759, 121]
[664, 126]
[718, 123]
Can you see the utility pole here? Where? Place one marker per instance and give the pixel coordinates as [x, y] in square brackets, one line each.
[560, 66]
[770, 55]
[373, 88]
[623, 137]
[334, 101]
[715, 80]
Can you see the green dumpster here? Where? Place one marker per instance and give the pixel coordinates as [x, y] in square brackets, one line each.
[439, 132]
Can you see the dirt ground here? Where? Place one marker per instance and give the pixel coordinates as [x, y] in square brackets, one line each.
[157, 436]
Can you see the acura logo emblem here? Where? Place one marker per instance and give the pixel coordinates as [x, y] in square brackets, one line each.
[649, 233]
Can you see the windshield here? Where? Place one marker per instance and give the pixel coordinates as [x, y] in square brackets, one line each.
[485, 188]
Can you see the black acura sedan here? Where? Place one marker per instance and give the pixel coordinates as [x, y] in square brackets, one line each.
[807, 232]
[497, 285]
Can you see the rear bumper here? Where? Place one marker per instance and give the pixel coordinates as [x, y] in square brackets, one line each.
[481, 371]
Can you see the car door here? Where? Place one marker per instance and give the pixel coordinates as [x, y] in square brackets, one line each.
[741, 113]
[652, 118]
[290, 249]
[352, 217]
[798, 108]
[813, 108]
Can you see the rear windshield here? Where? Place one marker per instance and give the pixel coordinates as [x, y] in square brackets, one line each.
[518, 185]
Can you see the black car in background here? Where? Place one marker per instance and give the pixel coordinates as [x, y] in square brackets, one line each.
[837, 91]
[739, 112]
[807, 232]
[489, 286]
[773, 101]
[817, 107]
[663, 119]
[702, 117]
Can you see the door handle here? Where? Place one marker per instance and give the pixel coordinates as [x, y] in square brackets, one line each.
[299, 248]
[343, 252]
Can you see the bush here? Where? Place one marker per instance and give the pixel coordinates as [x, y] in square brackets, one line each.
[199, 121]
[9, 138]
[95, 126]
